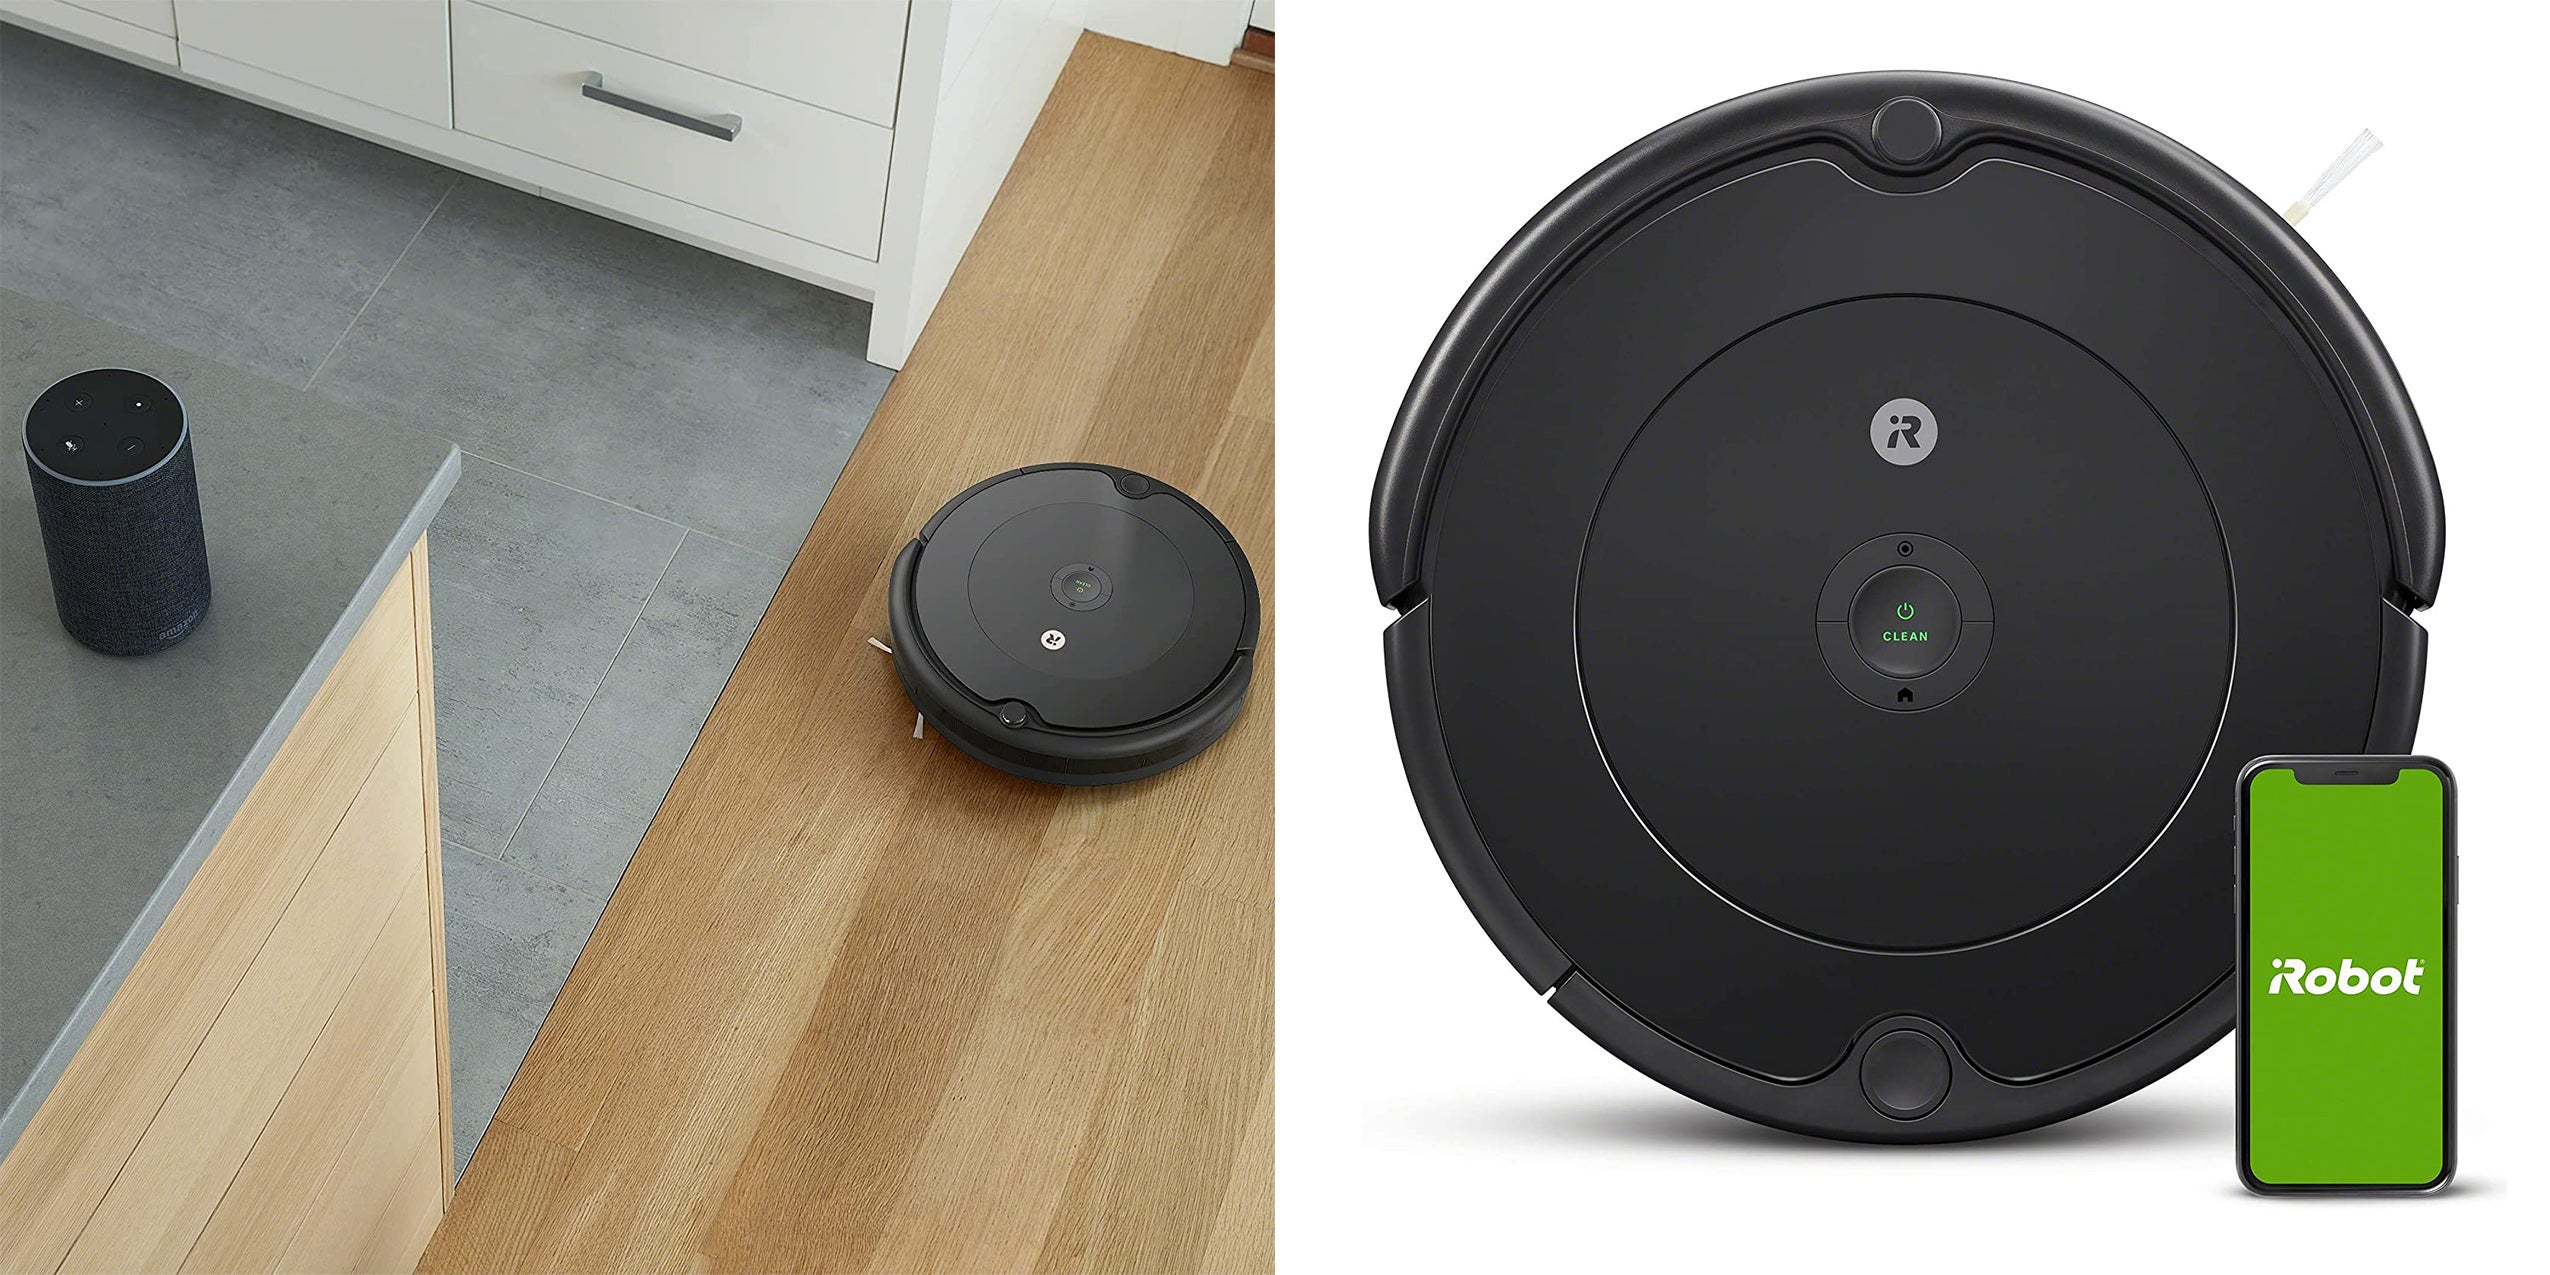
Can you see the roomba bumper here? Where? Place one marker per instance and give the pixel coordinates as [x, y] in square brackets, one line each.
[1075, 624]
[1846, 546]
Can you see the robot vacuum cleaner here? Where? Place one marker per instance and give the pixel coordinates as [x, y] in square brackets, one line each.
[1075, 624]
[1846, 546]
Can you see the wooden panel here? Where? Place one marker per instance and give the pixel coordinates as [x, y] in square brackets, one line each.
[386, 1191]
[394, 54]
[232, 1087]
[861, 1002]
[433, 803]
[88, 1128]
[357, 1075]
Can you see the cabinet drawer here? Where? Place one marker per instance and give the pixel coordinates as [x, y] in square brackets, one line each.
[842, 55]
[391, 53]
[794, 168]
[150, 15]
[129, 30]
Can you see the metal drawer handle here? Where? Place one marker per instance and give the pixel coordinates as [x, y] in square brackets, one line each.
[722, 127]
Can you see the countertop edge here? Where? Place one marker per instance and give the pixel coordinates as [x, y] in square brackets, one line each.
[252, 768]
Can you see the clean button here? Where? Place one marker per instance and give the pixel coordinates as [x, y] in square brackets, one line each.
[1904, 622]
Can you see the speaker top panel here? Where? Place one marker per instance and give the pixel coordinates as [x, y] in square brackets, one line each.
[104, 426]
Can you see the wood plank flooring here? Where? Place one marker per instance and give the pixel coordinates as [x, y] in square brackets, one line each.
[864, 1004]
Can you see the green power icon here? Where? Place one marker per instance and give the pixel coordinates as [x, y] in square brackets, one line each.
[1903, 611]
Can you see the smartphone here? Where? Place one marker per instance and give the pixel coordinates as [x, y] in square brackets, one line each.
[2344, 879]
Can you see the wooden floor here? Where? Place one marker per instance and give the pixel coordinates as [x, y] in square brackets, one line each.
[862, 1003]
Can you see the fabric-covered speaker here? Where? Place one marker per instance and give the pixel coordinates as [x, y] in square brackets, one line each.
[113, 468]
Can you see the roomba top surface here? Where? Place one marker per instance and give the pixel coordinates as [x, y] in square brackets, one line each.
[1848, 544]
[1075, 623]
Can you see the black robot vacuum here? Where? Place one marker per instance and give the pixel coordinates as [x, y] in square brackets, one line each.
[1846, 546]
[1075, 624]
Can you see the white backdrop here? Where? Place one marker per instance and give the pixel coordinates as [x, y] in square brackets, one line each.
[1432, 1115]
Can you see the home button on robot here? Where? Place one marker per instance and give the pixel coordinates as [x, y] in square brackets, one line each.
[1904, 1074]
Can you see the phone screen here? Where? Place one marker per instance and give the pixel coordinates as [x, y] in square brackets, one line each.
[2345, 998]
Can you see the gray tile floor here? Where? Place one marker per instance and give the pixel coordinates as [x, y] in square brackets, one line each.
[650, 430]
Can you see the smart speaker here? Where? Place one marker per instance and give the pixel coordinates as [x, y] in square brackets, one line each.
[113, 468]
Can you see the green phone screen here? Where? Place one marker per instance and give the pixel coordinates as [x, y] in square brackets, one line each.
[2345, 1007]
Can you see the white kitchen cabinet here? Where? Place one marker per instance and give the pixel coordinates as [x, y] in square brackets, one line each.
[841, 57]
[394, 54]
[134, 30]
[150, 15]
[854, 144]
[739, 150]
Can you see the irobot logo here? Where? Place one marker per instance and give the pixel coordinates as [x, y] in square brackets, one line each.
[1905, 431]
[2346, 978]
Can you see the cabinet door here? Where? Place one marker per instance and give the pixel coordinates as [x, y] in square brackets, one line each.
[391, 53]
